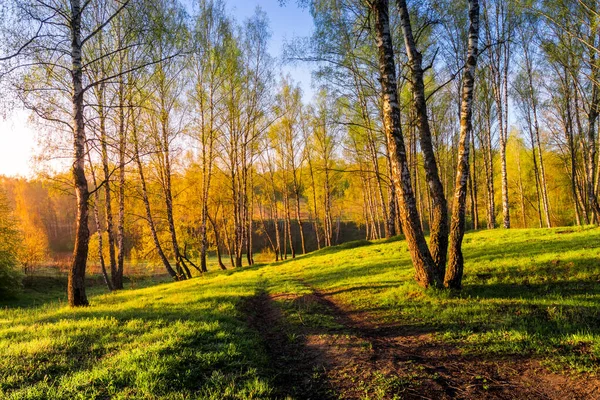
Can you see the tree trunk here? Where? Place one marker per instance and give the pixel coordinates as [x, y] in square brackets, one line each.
[107, 280]
[299, 220]
[536, 130]
[498, 67]
[327, 205]
[536, 174]
[249, 208]
[504, 179]
[473, 179]
[288, 223]
[438, 241]
[146, 201]
[204, 238]
[217, 240]
[118, 279]
[107, 188]
[521, 192]
[572, 149]
[503, 143]
[489, 171]
[581, 185]
[392, 215]
[425, 267]
[314, 199]
[591, 139]
[454, 272]
[275, 219]
[76, 280]
[181, 268]
[100, 246]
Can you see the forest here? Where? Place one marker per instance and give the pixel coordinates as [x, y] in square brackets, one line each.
[200, 224]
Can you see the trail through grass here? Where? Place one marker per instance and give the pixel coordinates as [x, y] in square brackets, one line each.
[528, 293]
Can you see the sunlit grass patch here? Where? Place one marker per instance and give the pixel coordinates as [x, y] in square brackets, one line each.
[527, 293]
[176, 340]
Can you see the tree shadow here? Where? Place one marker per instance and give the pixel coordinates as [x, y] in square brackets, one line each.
[145, 343]
[327, 251]
[295, 368]
[376, 355]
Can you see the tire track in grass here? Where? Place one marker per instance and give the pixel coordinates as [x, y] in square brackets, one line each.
[405, 362]
[321, 348]
[294, 368]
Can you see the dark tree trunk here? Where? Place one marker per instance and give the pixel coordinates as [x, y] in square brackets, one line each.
[76, 281]
[438, 241]
[425, 267]
[454, 272]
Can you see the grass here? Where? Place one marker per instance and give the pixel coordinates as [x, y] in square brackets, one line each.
[526, 293]
[171, 341]
[532, 293]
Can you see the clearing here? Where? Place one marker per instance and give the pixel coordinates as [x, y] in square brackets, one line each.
[344, 322]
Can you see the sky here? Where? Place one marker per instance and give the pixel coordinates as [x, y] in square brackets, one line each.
[18, 136]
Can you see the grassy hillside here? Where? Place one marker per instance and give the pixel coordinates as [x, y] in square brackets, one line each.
[529, 294]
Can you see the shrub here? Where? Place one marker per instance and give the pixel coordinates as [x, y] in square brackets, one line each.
[10, 276]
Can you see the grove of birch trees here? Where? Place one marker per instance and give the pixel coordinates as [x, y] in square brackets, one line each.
[189, 148]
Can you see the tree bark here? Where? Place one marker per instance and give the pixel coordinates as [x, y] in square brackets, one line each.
[76, 280]
[425, 267]
[454, 272]
[438, 241]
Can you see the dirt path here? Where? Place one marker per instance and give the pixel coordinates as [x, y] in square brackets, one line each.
[358, 359]
[295, 369]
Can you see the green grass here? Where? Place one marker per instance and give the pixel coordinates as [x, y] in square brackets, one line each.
[527, 293]
[172, 341]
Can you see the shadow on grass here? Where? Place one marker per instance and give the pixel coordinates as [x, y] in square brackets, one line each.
[587, 289]
[40, 290]
[538, 306]
[530, 247]
[296, 369]
[147, 345]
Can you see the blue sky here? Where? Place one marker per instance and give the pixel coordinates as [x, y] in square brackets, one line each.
[286, 22]
[17, 136]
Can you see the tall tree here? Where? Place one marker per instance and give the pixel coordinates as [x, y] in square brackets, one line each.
[454, 272]
[438, 241]
[499, 29]
[60, 63]
[423, 262]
